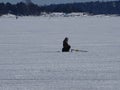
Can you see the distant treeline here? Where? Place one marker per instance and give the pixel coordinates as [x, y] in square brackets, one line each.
[22, 9]
[111, 7]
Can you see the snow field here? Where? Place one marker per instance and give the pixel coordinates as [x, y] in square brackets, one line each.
[29, 59]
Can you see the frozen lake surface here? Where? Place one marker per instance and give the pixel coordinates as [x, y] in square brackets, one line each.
[29, 59]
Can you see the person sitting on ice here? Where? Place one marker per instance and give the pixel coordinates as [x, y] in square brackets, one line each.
[66, 46]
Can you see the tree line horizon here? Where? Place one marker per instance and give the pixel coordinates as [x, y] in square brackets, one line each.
[92, 8]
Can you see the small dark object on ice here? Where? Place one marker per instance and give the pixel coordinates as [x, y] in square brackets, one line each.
[66, 46]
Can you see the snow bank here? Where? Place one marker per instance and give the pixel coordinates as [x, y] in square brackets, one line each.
[8, 16]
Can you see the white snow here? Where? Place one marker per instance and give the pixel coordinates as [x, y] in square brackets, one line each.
[29, 59]
[8, 16]
[56, 14]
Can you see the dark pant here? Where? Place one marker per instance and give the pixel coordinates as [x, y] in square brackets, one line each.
[66, 49]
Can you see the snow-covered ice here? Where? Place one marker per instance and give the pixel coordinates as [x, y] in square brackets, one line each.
[29, 61]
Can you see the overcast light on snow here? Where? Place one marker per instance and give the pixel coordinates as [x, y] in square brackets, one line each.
[29, 59]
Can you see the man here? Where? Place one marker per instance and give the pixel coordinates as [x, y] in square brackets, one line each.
[66, 46]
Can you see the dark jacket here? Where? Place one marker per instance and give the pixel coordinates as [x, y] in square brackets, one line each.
[66, 46]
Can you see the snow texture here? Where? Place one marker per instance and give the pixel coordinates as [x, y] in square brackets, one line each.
[29, 59]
